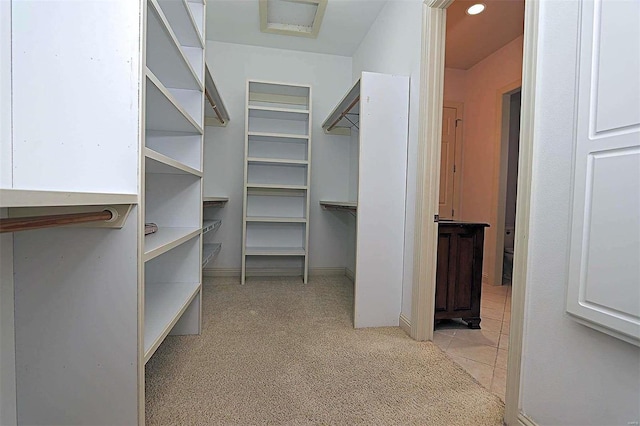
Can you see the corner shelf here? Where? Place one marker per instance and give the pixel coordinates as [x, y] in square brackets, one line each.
[164, 305]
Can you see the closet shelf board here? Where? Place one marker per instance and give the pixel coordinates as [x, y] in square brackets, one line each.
[211, 225]
[164, 54]
[214, 201]
[210, 252]
[213, 97]
[347, 104]
[275, 251]
[255, 160]
[182, 22]
[30, 198]
[278, 135]
[280, 93]
[339, 203]
[268, 219]
[163, 112]
[301, 112]
[159, 163]
[164, 304]
[223, 199]
[277, 114]
[276, 186]
[165, 239]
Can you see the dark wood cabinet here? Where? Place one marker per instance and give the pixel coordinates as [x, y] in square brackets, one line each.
[459, 271]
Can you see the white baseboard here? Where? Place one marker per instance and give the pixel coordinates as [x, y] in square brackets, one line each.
[272, 272]
[221, 272]
[350, 274]
[523, 420]
[405, 325]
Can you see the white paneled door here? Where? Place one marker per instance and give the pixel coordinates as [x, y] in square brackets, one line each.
[447, 163]
[604, 275]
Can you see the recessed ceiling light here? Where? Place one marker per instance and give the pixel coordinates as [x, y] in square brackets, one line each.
[476, 9]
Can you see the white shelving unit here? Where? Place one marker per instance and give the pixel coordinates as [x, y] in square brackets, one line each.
[377, 132]
[277, 174]
[121, 129]
[174, 105]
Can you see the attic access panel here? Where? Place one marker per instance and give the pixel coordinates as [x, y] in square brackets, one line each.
[300, 18]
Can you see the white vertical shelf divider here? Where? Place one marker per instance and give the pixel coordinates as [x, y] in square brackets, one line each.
[277, 173]
[379, 127]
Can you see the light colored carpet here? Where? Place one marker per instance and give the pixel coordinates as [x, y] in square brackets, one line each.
[276, 351]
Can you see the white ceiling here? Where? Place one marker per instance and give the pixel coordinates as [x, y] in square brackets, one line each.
[345, 24]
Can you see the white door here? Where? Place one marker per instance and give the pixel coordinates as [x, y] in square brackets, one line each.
[604, 271]
[447, 163]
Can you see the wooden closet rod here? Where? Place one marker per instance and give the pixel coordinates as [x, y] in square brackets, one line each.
[38, 222]
[345, 112]
[214, 106]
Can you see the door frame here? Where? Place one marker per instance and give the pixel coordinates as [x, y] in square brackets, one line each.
[427, 187]
[501, 162]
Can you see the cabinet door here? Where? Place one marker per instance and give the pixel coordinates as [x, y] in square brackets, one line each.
[442, 271]
[461, 290]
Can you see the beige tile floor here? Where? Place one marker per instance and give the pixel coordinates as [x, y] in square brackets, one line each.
[483, 353]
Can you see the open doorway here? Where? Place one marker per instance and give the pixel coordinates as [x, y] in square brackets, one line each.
[508, 186]
[478, 178]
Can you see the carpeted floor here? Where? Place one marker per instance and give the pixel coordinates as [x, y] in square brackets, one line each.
[275, 351]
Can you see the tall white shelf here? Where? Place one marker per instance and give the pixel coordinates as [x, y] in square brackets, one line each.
[277, 173]
[378, 133]
[121, 128]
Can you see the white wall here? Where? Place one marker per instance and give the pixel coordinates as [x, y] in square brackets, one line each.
[572, 374]
[6, 173]
[393, 46]
[330, 77]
